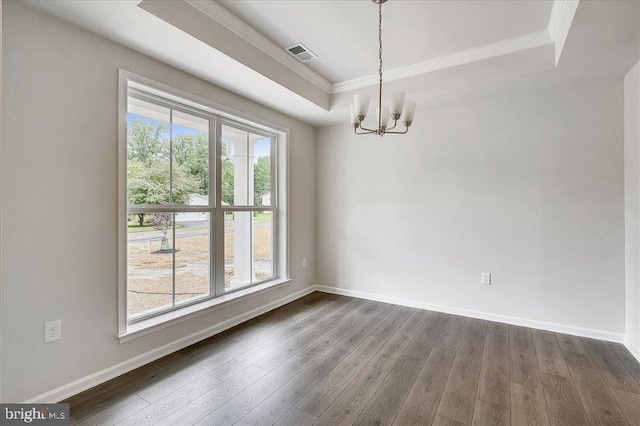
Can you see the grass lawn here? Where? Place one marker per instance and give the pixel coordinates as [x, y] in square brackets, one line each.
[150, 273]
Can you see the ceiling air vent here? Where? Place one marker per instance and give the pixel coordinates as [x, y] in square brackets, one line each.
[301, 52]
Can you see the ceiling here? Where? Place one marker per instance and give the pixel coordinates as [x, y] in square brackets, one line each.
[344, 34]
[434, 50]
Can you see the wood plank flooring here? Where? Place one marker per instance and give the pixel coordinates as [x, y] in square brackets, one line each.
[333, 360]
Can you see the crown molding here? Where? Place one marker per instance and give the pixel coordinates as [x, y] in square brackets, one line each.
[487, 51]
[224, 17]
[560, 20]
[562, 13]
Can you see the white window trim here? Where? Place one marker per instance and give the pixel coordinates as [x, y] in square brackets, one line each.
[152, 324]
[128, 332]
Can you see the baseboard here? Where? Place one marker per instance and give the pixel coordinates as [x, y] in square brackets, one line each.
[80, 385]
[631, 348]
[542, 325]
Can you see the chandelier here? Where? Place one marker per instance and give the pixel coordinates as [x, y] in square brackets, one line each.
[400, 110]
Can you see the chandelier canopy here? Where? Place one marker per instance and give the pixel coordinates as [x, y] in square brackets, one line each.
[400, 110]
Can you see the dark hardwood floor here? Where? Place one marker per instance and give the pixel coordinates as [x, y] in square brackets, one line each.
[327, 359]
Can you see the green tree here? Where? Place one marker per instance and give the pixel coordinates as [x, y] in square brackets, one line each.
[148, 169]
[149, 184]
[261, 178]
[145, 141]
[192, 153]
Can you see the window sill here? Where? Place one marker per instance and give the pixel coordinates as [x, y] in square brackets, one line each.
[151, 325]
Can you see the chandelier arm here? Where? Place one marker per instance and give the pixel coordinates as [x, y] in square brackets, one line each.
[395, 123]
[368, 132]
[406, 129]
[364, 128]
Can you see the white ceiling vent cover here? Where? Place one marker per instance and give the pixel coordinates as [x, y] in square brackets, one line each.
[301, 52]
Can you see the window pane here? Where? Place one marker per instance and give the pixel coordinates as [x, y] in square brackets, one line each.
[150, 262]
[237, 249]
[235, 167]
[169, 259]
[147, 153]
[192, 256]
[248, 248]
[261, 169]
[262, 246]
[190, 172]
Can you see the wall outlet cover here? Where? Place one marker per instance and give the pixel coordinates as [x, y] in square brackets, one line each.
[53, 331]
[485, 278]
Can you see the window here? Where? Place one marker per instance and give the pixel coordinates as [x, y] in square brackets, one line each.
[201, 204]
[246, 163]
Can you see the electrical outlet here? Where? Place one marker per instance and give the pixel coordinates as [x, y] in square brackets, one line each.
[304, 262]
[485, 278]
[52, 331]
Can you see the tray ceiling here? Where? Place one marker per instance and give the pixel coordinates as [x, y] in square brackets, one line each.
[433, 50]
[344, 34]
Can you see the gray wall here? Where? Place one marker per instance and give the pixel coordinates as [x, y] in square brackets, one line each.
[632, 206]
[59, 206]
[527, 185]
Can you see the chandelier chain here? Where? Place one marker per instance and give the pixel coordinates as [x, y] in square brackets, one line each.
[380, 36]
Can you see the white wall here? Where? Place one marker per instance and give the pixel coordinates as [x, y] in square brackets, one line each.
[528, 186]
[632, 207]
[59, 206]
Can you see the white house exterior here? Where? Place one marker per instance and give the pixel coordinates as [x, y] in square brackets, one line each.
[194, 200]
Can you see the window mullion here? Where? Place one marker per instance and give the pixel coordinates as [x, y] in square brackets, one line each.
[213, 164]
[170, 156]
[274, 205]
[219, 214]
[146, 208]
[251, 248]
[173, 215]
[250, 202]
[248, 171]
[248, 209]
[212, 204]
[173, 266]
[273, 159]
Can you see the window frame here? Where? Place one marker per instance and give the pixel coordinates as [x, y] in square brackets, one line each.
[177, 208]
[220, 281]
[217, 115]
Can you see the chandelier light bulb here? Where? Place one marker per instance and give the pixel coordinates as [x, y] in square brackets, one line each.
[354, 119]
[409, 111]
[396, 100]
[361, 105]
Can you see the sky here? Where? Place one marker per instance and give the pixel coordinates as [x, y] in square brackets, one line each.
[261, 147]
